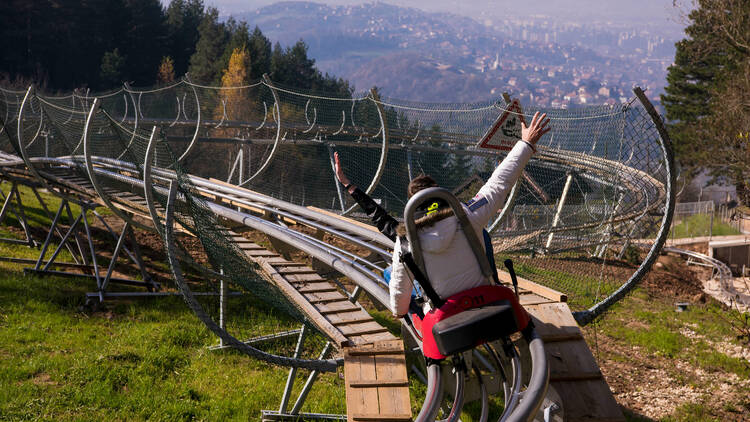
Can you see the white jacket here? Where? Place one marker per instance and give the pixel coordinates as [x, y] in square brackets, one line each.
[450, 264]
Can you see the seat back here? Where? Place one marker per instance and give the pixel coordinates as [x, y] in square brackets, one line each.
[436, 194]
[470, 318]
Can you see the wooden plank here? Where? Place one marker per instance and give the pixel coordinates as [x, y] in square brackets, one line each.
[344, 219]
[379, 382]
[382, 348]
[380, 418]
[569, 360]
[369, 395]
[377, 386]
[574, 373]
[394, 400]
[371, 338]
[554, 319]
[337, 307]
[588, 401]
[277, 260]
[315, 287]
[325, 297]
[249, 246]
[315, 316]
[355, 398]
[367, 327]
[531, 286]
[303, 277]
[345, 318]
[532, 299]
[295, 270]
[261, 253]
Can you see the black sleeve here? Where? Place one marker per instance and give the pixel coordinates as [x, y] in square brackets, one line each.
[380, 217]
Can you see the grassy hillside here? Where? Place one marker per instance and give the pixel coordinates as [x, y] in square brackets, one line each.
[700, 225]
[134, 360]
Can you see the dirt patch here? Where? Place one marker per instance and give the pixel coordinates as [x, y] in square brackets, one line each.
[672, 278]
[42, 379]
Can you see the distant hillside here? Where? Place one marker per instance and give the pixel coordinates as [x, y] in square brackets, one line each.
[417, 55]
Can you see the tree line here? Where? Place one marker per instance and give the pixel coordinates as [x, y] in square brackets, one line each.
[65, 44]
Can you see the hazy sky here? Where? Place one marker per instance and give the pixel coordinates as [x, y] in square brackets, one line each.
[569, 10]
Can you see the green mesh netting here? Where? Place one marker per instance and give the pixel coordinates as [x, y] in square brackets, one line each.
[586, 206]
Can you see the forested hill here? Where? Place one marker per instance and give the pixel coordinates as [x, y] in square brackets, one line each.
[66, 44]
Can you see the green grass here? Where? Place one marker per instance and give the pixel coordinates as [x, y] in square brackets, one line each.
[655, 326]
[698, 225]
[137, 360]
[141, 360]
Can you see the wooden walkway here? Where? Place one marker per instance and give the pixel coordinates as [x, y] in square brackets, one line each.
[377, 388]
[574, 374]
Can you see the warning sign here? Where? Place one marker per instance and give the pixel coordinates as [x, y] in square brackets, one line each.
[506, 130]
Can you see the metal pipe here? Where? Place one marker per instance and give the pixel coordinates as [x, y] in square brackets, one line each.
[276, 111]
[434, 395]
[192, 143]
[293, 370]
[458, 397]
[534, 394]
[92, 174]
[60, 246]
[47, 240]
[116, 252]
[560, 206]
[309, 383]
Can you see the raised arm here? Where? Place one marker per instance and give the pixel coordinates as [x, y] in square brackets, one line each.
[492, 195]
[385, 223]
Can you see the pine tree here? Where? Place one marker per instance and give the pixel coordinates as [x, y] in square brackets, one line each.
[144, 41]
[205, 63]
[259, 49]
[112, 68]
[707, 94]
[183, 19]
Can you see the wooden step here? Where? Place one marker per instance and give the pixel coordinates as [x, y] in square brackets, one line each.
[377, 387]
[316, 287]
[295, 270]
[359, 329]
[326, 297]
[337, 307]
[574, 373]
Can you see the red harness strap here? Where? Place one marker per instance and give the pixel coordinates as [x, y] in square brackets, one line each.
[468, 299]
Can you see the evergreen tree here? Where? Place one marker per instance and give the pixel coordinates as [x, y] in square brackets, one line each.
[205, 63]
[278, 64]
[259, 49]
[707, 94]
[112, 68]
[183, 19]
[144, 40]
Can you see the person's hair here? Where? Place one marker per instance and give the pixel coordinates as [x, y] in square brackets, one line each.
[420, 182]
